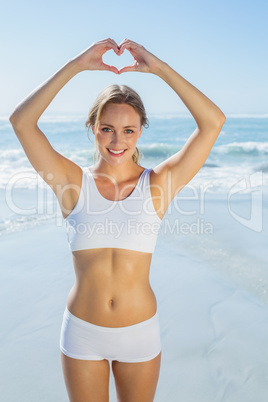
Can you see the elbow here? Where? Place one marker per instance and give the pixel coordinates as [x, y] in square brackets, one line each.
[14, 120]
[20, 120]
[220, 118]
[213, 124]
[17, 121]
[219, 121]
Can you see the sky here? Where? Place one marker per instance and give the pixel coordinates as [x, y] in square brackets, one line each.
[218, 46]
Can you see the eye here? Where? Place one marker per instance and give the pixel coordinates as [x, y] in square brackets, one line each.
[128, 131]
[106, 129]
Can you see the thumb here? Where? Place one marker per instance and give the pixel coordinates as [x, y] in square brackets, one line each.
[132, 67]
[110, 68]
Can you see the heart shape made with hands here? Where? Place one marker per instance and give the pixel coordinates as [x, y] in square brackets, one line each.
[112, 59]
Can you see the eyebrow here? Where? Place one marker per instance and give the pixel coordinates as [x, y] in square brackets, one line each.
[109, 125]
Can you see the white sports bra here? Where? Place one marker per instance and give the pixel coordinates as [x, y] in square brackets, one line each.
[96, 222]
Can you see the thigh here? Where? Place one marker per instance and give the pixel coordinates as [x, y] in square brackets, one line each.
[136, 382]
[86, 380]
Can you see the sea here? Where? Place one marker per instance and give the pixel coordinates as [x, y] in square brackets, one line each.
[219, 217]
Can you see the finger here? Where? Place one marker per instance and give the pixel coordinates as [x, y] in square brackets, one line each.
[123, 44]
[106, 40]
[115, 46]
[123, 41]
[110, 68]
[121, 47]
[109, 44]
[132, 48]
[132, 67]
[121, 51]
[128, 41]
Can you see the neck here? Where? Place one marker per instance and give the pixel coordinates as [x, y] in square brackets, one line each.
[119, 173]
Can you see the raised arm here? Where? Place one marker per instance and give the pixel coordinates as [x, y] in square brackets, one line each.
[175, 172]
[53, 167]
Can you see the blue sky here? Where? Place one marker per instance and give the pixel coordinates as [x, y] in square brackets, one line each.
[219, 46]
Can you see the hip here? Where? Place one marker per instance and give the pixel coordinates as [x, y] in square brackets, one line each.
[112, 309]
[85, 341]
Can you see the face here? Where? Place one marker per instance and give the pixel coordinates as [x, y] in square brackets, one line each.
[117, 134]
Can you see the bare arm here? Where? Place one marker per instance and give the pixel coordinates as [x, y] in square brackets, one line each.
[181, 167]
[53, 167]
[209, 119]
[49, 164]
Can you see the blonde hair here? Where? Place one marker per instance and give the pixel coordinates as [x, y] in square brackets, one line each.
[118, 94]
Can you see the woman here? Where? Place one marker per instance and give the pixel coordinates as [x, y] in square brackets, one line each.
[111, 314]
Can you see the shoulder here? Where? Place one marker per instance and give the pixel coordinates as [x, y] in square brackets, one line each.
[158, 175]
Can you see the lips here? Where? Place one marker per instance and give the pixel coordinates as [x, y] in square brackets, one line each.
[116, 152]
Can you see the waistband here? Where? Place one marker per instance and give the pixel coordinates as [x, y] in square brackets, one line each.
[87, 324]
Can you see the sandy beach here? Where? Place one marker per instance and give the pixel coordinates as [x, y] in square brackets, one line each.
[214, 330]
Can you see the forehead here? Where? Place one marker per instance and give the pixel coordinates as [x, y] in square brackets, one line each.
[119, 112]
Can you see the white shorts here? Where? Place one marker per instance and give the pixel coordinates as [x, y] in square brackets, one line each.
[82, 340]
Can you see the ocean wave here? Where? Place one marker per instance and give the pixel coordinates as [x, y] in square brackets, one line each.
[5, 127]
[14, 158]
[262, 167]
[243, 148]
[210, 165]
[158, 150]
[28, 206]
[18, 223]
[12, 154]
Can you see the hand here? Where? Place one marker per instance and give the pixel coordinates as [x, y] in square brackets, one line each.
[91, 58]
[144, 61]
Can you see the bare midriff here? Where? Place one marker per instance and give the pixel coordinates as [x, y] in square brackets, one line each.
[112, 287]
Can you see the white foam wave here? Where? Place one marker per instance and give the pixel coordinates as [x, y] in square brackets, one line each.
[14, 153]
[17, 223]
[246, 147]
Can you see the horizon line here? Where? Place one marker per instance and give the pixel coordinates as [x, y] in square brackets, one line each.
[69, 116]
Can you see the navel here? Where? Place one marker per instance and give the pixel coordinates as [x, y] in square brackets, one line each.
[111, 303]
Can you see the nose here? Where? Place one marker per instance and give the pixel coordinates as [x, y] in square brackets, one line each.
[115, 138]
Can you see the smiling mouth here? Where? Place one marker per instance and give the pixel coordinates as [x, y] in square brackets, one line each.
[116, 152]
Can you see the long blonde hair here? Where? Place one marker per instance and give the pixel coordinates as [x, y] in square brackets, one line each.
[118, 94]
